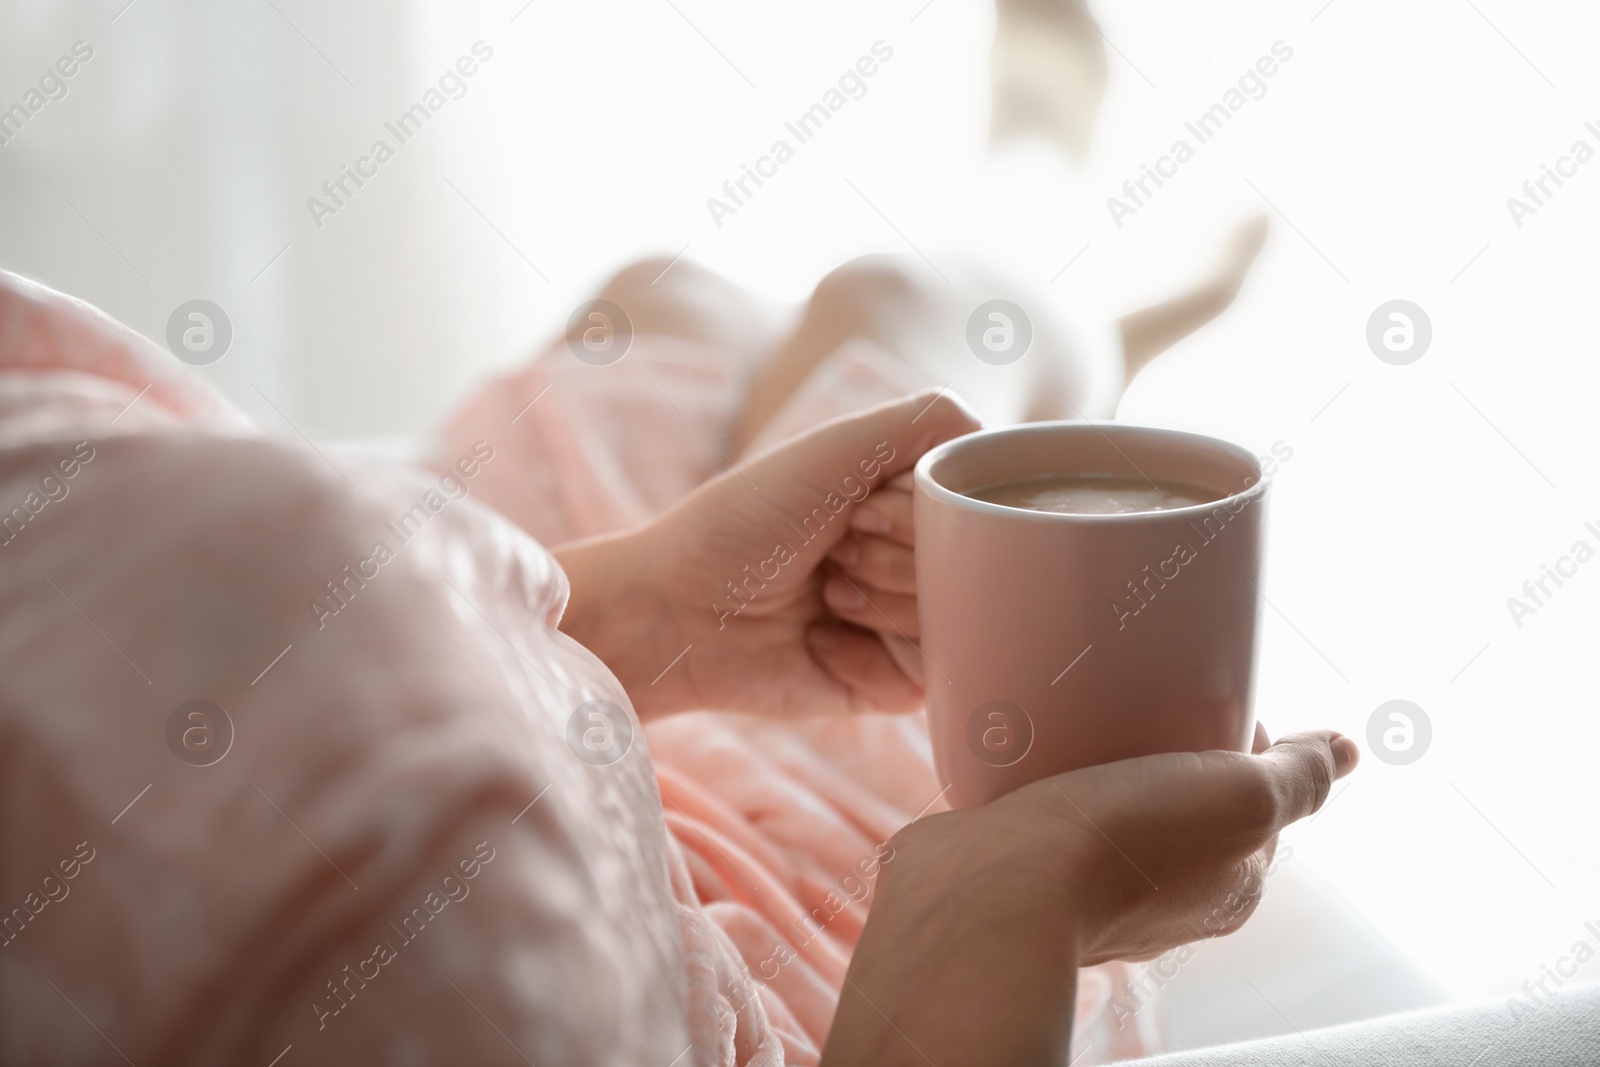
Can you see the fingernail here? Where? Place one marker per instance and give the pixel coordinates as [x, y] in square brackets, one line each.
[845, 597]
[869, 520]
[1346, 753]
[846, 553]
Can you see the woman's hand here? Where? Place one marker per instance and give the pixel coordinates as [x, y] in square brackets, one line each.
[781, 584]
[982, 916]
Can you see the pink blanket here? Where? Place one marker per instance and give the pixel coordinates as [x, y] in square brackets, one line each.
[287, 770]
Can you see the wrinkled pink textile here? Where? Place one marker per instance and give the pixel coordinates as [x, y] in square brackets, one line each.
[397, 859]
[781, 824]
[397, 856]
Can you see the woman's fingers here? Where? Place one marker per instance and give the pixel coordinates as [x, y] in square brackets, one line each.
[857, 660]
[877, 554]
[877, 562]
[886, 513]
[875, 609]
[906, 655]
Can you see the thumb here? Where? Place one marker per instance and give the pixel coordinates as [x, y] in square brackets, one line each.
[872, 446]
[1302, 769]
[825, 473]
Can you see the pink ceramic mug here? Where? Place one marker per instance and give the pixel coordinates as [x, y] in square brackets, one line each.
[1052, 641]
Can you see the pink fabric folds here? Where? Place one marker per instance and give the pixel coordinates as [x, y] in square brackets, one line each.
[372, 842]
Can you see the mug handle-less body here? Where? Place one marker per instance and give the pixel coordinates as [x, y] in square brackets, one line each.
[1060, 641]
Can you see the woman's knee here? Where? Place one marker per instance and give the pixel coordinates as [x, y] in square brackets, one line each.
[868, 290]
[673, 296]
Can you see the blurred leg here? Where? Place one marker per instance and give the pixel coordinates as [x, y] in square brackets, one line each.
[682, 299]
[909, 312]
[916, 316]
[880, 298]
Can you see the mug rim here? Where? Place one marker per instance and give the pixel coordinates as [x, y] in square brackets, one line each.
[924, 480]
